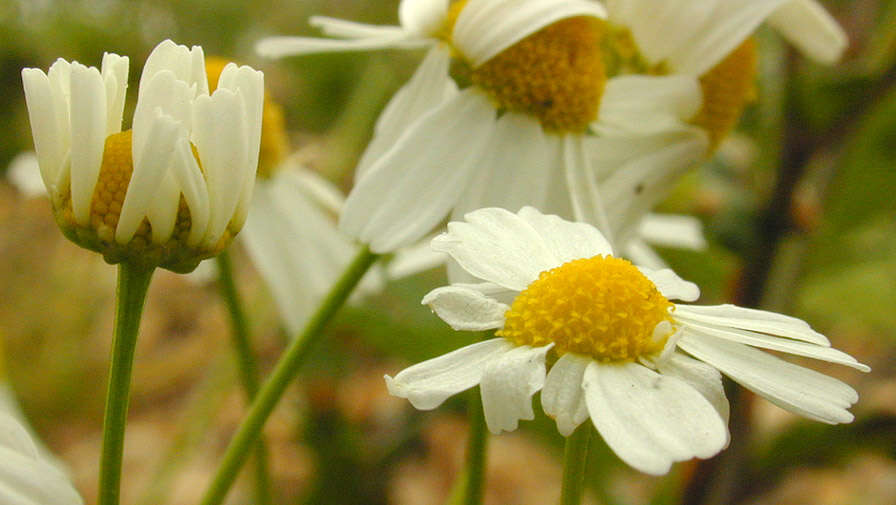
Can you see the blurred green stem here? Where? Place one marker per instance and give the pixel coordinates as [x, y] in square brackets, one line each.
[248, 369]
[575, 456]
[474, 474]
[133, 283]
[282, 375]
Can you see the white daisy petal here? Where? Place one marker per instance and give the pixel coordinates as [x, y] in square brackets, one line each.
[465, 308]
[566, 240]
[115, 76]
[484, 28]
[341, 28]
[651, 420]
[702, 377]
[150, 167]
[429, 87]
[641, 172]
[671, 285]
[563, 397]
[673, 230]
[763, 321]
[26, 478]
[514, 168]
[587, 204]
[23, 172]
[278, 47]
[191, 183]
[647, 104]
[806, 25]
[422, 17]
[163, 208]
[640, 253]
[414, 259]
[733, 22]
[88, 120]
[426, 385]
[497, 246]
[221, 139]
[50, 145]
[791, 387]
[433, 161]
[660, 28]
[507, 385]
[776, 344]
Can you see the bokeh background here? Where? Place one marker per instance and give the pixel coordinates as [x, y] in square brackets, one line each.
[828, 133]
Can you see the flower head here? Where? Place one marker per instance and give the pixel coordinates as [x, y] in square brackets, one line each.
[172, 190]
[498, 113]
[644, 369]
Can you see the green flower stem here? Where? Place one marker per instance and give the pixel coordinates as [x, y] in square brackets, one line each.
[575, 456]
[284, 372]
[476, 447]
[248, 369]
[133, 282]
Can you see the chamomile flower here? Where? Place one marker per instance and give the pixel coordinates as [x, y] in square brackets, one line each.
[26, 478]
[644, 369]
[711, 41]
[508, 126]
[172, 190]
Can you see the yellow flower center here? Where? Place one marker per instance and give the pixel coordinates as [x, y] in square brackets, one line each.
[555, 74]
[172, 253]
[602, 306]
[727, 88]
[274, 140]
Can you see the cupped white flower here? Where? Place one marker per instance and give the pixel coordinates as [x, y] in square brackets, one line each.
[172, 190]
[645, 370]
[25, 477]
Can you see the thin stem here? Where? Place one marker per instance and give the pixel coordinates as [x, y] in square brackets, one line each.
[133, 282]
[575, 457]
[474, 476]
[248, 368]
[284, 372]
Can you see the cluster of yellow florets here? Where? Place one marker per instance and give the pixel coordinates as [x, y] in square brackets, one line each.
[727, 89]
[555, 74]
[602, 307]
[109, 193]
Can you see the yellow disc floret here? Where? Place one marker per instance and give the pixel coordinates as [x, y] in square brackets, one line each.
[171, 252]
[727, 88]
[603, 307]
[556, 74]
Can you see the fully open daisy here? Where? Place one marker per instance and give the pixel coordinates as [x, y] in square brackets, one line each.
[506, 126]
[644, 369]
[172, 190]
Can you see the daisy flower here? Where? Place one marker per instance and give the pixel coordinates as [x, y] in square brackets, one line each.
[172, 190]
[644, 369]
[26, 478]
[711, 41]
[507, 125]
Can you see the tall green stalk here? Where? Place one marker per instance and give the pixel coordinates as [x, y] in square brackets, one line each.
[575, 457]
[284, 372]
[248, 368]
[477, 443]
[133, 283]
